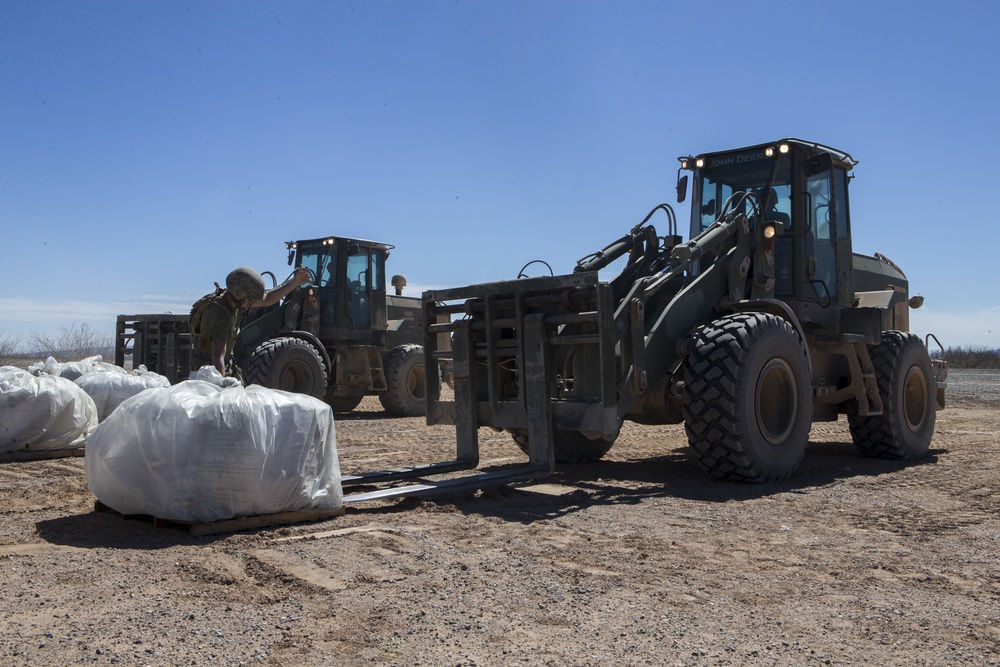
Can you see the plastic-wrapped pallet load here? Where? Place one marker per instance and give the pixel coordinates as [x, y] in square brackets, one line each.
[199, 452]
[71, 370]
[42, 413]
[110, 388]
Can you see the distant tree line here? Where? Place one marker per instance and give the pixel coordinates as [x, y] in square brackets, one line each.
[972, 357]
[77, 342]
[71, 343]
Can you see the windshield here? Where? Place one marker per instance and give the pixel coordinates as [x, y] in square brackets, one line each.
[322, 261]
[743, 171]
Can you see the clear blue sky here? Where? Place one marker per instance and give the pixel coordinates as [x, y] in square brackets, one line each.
[146, 148]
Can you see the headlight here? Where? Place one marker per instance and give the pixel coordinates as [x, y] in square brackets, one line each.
[768, 231]
[771, 150]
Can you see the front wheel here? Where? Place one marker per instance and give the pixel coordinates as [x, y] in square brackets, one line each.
[906, 384]
[342, 404]
[747, 398]
[405, 394]
[289, 364]
[570, 446]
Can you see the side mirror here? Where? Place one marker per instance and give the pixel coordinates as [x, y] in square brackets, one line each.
[682, 186]
[817, 164]
[291, 257]
[353, 249]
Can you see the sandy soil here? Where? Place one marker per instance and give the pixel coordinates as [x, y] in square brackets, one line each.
[638, 560]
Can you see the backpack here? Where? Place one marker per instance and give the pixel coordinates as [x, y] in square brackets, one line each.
[198, 309]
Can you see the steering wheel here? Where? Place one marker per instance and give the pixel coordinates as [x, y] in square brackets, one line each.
[312, 276]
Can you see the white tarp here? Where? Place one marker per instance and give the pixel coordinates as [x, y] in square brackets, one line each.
[200, 452]
[110, 388]
[43, 413]
[71, 370]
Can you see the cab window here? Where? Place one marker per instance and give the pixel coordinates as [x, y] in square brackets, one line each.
[822, 228]
[359, 288]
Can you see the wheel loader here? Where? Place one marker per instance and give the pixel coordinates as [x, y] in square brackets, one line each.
[762, 323]
[339, 338]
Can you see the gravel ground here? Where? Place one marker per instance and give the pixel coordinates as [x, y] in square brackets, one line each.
[637, 560]
[974, 385]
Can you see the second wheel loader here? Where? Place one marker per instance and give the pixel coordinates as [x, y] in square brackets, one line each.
[339, 338]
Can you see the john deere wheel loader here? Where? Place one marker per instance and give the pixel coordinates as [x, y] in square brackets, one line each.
[339, 338]
[762, 323]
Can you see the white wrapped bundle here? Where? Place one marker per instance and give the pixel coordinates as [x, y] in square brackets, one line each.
[110, 388]
[71, 370]
[42, 413]
[212, 374]
[202, 453]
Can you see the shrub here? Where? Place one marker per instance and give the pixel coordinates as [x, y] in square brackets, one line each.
[72, 343]
[8, 349]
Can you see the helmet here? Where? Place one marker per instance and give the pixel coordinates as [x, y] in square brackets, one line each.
[245, 283]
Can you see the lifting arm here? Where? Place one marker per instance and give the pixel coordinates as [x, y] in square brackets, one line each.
[683, 254]
[630, 243]
[609, 254]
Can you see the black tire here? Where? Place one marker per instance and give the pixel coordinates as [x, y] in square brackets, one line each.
[289, 364]
[342, 404]
[570, 446]
[405, 394]
[908, 390]
[748, 398]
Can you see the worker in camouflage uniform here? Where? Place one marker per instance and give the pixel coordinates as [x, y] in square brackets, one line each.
[219, 320]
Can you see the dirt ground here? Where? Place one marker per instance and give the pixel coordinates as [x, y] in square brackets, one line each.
[638, 560]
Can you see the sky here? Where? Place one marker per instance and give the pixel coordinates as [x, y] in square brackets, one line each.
[147, 148]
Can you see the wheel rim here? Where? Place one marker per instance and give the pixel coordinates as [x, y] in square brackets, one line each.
[296, 377]
[415, 383]
[915, 398]
[777, 401]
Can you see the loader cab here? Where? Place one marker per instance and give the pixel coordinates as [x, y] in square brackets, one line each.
[350, 287]
[800, 186]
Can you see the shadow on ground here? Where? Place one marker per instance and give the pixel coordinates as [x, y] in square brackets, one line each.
[625, 482]
[110, 530]
[673, 475]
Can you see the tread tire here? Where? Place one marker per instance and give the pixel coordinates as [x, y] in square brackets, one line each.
[906, 384]
[405, 394]
[747, 398]
[289, 364]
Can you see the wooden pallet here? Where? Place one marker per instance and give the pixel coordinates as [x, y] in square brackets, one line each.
[40, 454]
[235, 524]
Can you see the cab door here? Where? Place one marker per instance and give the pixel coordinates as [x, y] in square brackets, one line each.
[358, 304]
[365, 288]
[821, 235]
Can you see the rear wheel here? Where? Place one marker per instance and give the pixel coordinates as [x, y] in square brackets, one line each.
[405, 394]
[747, 398]
[289, 364]
[906, 384]
[570, 446]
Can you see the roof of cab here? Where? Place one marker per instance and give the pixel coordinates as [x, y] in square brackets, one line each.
[811, 146]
